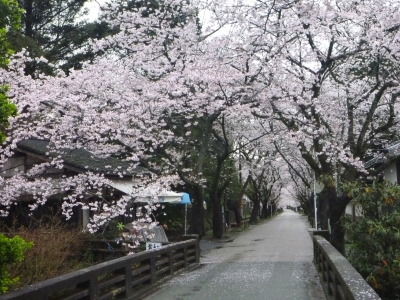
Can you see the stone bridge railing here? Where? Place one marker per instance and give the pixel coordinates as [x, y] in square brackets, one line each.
[339, 279]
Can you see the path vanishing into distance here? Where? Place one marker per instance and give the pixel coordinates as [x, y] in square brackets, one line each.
[271, 261]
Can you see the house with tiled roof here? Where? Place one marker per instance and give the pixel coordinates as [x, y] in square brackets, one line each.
[76, 160]
[387, 165]
[30, 152]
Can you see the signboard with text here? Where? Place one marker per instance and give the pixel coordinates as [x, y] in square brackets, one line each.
[151, 246]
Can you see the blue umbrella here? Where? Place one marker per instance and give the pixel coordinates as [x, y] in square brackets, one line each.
[185, 199]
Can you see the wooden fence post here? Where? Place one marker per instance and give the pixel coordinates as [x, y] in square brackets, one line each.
[153, 270]
[185, 260]
[171, 261]
[194, 236]
[93, 288]
[128, 280]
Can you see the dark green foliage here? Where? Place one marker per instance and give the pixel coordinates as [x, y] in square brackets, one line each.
[80, 36]
[11, 251]
[57, 31]
[10, 13]
[172, 218]
[7, 109]
[10, 18]
[374, 248]
[149, 7]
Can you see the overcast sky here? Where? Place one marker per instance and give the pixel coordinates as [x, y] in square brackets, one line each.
[94, 8]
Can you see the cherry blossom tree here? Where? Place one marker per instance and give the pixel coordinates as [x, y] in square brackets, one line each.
[216, 87]
[325, 73]
[328, 71]
[155, 68]
[111, 108]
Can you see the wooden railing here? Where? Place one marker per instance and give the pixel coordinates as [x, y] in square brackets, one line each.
[128, 277]
[245, 224]
[339, 279]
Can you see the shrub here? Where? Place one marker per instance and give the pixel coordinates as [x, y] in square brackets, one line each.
[58, 249]
[11, 251]
[374, 239]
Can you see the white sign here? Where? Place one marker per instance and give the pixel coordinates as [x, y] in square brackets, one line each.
[151, 246]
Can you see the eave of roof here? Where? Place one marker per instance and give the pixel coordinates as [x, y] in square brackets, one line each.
[79, 160]
[393, 151]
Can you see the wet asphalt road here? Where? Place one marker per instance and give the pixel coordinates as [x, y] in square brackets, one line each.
[272, 261]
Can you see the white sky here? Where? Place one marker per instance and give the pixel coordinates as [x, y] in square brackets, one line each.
[94, 8]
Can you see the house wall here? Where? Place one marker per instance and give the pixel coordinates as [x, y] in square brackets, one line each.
[390, 172]
[31, 161]
[22, 163]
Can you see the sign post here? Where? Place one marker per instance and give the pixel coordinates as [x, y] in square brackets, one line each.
[186, 201]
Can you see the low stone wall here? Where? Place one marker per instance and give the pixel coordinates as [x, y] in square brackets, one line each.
[339, 279]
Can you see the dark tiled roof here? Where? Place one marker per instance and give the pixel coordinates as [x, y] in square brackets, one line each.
[391, 152]
[81, 158]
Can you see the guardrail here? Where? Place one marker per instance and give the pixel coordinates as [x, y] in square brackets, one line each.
[128, 277]
[339, 279]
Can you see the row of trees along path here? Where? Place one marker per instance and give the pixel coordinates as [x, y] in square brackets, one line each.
[193, 103]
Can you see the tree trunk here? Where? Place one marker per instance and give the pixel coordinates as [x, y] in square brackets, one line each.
[218, 228]
[311, 213]
[256, 210]
[336, 207]
[28, 18]
[239, 202]
[196, 220]
[323, 207]
[198, 214]
[238, 215]
[264, 211]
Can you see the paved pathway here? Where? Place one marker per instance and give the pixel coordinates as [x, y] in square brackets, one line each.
[272, 261]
